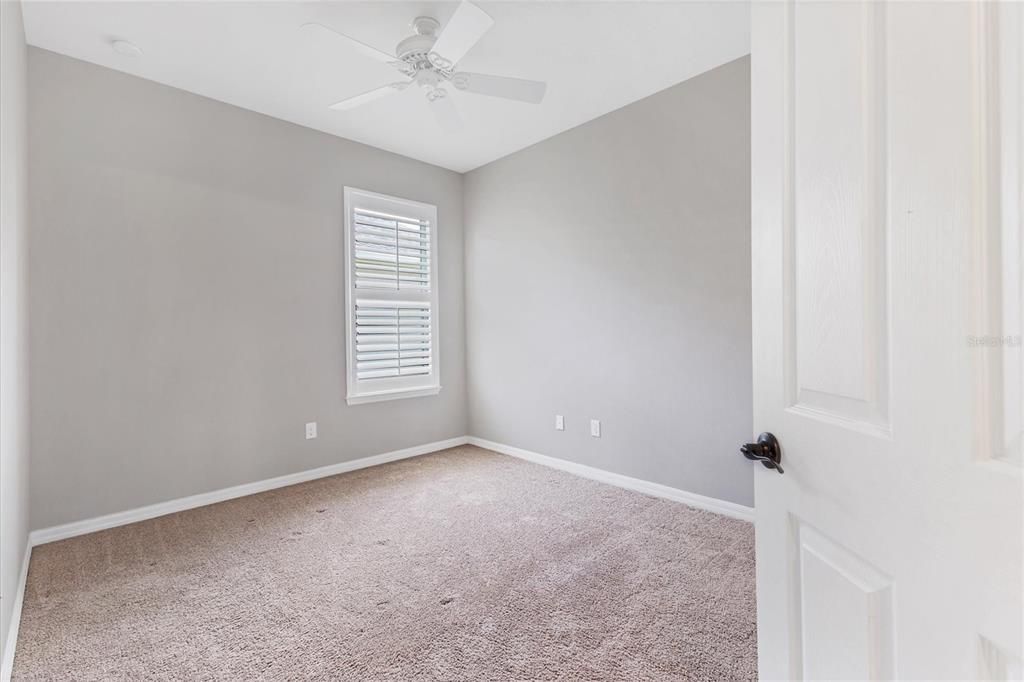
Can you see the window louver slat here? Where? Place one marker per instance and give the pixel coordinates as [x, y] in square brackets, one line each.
[391, 252]
[392, 339]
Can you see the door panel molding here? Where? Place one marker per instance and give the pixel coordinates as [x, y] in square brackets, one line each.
[845, 627]
[996, 663]
[836, 329]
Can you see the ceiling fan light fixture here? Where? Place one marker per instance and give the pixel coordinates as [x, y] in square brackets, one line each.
[435, 94]
[440, 62]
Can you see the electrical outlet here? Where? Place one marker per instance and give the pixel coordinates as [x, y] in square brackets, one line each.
[559, 423]
[595, 428]
[310, 430]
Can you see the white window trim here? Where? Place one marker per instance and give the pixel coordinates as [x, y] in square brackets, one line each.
[393, 388]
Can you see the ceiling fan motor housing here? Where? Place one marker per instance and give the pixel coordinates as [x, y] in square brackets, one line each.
[415, 50]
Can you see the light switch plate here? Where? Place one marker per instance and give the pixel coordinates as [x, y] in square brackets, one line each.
[310, 430]
[595, 428]
[559, 423]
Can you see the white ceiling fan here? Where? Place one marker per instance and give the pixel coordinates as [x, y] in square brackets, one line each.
[429, 59]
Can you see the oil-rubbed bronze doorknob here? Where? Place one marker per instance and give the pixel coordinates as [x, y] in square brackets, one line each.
[766, 450]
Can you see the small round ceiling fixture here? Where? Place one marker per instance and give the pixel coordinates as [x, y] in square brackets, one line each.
[126, 48]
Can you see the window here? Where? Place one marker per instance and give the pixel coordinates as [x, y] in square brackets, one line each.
[391, 297]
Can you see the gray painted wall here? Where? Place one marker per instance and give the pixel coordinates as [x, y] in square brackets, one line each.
[14, 401]
[186, 293]
[186, 298]
[607, 276]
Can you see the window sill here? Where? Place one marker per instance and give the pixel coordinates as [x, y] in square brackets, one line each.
[396, 394]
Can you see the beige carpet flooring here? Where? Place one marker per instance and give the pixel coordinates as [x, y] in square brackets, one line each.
[460, 565]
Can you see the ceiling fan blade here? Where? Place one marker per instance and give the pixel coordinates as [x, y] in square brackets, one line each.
[444, 110]
[360, 47]
[460, 34]
[376, 93]
[501, 86]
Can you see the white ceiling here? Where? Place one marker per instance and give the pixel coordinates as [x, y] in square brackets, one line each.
[595, 56]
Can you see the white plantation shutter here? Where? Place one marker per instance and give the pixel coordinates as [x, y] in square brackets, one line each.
[392, 338]
[391, 252]
[391, 297]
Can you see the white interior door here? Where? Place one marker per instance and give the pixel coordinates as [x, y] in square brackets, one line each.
[887, 198]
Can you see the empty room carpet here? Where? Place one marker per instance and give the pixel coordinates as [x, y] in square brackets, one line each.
[459, 565]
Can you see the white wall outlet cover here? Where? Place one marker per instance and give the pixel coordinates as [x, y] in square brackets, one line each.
[310, 430]
[595, 428]
[559, 422]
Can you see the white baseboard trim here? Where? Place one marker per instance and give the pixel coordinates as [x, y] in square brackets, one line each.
[70, 530]
[712, 504]
[7, 665]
